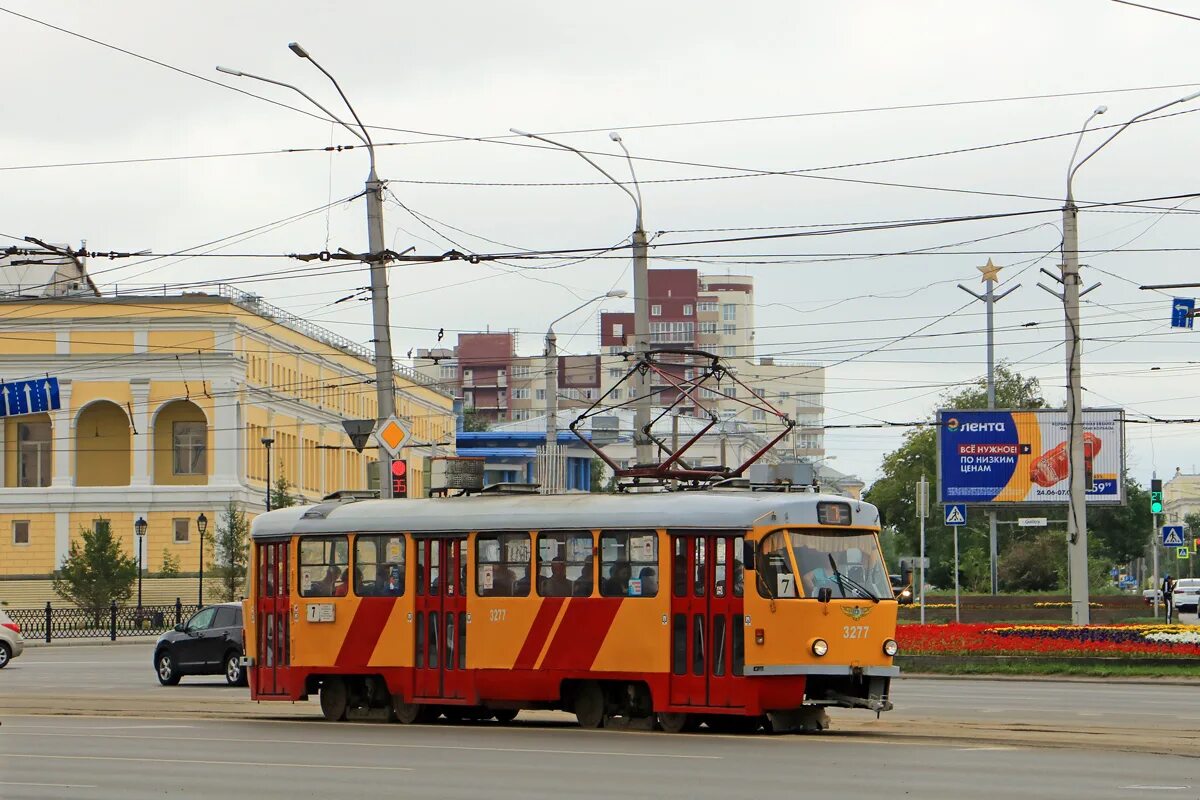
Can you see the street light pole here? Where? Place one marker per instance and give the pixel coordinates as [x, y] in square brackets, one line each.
[267, 441]
[380, 305]
[139, 528]
[552, 365]
[202, 528]
[1077, 512]
[641, 294]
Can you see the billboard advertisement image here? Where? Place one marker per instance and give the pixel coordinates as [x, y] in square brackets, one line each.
[1014, 457]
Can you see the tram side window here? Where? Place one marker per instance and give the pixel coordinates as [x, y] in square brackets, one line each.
[565, 565]
[502, 560]
[629, 564]
[379, 566]
[323, 566]
[774, 569]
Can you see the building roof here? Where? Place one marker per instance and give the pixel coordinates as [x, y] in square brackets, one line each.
[713, 509]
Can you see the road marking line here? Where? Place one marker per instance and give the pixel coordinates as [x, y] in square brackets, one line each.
[205, 762]
[51, 785]
[394, 745]
[1157, 788]
[993, 747]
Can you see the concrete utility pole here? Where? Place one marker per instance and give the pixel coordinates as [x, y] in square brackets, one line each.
[1077, 513]
[641, 294]
[922, 513]
[990, 273]
[552, 366]
[380, 309]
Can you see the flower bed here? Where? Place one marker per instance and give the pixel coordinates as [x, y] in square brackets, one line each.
[1164, 641]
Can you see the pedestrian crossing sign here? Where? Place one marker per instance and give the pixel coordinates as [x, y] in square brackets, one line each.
[1172, 536]
[956, 514]
[1182, 553]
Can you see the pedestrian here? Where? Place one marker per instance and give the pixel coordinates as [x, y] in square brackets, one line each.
[1168, 586]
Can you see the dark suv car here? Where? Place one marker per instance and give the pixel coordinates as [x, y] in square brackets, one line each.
[210, 643]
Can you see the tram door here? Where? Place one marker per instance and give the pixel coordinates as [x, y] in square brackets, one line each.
[440, 622]
[273, 625]
[707, 632]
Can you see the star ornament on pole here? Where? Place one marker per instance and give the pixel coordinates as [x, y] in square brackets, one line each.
[990, 271]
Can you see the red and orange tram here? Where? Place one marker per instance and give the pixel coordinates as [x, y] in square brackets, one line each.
[729, 607]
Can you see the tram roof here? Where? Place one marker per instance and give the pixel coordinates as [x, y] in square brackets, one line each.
[705, 510]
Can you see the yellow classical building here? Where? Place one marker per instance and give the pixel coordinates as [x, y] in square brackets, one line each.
[165, 403]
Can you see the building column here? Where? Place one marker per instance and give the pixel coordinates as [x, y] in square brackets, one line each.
[62, 537]
[226, 433]
[143, 440]
[62, 437]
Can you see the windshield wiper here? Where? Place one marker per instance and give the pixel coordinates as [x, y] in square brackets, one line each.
[844, 579]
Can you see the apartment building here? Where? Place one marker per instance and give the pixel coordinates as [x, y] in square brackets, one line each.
[688, 311]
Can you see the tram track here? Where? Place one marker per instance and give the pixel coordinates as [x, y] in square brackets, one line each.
[901, 729]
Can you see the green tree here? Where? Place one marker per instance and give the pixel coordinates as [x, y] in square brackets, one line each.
[474, 421]
[1037, 564]
[170, 565]
[232, 551]
[281, 496]
[894, 493]
[97, 573]
[1120, 533]
[601, 481]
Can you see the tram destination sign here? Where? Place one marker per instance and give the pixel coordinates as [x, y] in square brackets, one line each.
[1014, 458]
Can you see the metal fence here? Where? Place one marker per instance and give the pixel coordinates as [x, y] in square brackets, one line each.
[72, 622]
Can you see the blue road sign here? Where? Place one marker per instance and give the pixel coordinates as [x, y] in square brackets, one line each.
[1172, 535]
[1182, 309]
[956, 514]
[29, 397]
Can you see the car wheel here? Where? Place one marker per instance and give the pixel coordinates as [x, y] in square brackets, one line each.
[164, 667]
[234, 674]
[5, 654]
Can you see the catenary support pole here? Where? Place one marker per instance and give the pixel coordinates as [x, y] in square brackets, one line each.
[990, 298]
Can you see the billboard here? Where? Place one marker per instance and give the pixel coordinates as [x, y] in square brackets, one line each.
[995, 457]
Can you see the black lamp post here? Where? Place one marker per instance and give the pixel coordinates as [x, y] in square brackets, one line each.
[201, 526]
[267, 441]
[139, 528]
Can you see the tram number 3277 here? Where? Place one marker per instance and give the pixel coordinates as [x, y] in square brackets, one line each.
[855, 631]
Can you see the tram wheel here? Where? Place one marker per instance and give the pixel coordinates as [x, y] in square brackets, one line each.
[589, 705]
[412, 713]
[334, 699]
[505, 715]
[677, 723]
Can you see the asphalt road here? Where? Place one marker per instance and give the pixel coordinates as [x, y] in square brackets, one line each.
[92, 722]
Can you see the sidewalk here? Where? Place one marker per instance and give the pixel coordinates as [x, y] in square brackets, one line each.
[92, 642]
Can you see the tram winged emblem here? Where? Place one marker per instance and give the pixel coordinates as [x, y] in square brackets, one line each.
[856, 612]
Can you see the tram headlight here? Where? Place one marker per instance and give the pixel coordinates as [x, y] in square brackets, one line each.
[890, 648]
[820, 647]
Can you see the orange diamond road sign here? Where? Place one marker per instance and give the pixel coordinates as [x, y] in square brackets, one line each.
[393, 434]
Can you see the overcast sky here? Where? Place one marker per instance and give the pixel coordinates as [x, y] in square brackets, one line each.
[435, 73]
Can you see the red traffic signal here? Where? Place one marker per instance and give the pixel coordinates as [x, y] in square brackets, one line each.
[400, 478]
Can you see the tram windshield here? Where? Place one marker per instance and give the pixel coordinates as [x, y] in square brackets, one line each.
[848, 563]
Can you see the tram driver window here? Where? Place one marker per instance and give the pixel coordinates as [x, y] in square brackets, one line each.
[323, 566]
[502, 560]
[629, 564]
[774, 568]
[379, 566]
[564, 563]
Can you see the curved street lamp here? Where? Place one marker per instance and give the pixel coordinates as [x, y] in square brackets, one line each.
[641, 291]
[1076, 512]
[552, 365]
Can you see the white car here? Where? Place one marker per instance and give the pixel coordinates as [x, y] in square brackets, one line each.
[12, 644]
[1186, 595]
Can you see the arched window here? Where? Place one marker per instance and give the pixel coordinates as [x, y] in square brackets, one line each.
[180, 444]
[102, 445]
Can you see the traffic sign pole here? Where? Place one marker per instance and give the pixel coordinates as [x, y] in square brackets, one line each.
[922, 512]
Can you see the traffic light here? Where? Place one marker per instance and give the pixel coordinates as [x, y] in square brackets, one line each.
[400, 478]
[1156, 500]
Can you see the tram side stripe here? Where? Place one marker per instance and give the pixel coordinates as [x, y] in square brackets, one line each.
[581, 633]
[538, 631]
[364, 632]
